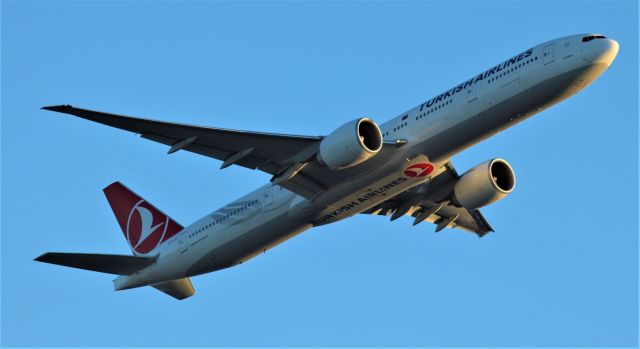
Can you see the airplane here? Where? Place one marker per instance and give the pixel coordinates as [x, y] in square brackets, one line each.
[395, 169]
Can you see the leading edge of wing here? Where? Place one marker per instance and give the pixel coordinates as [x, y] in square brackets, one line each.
[109, 118]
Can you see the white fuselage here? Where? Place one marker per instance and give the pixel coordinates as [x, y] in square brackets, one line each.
[434, 131]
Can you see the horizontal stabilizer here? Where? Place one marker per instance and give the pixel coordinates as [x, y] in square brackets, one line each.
[178, 289]
[104, 263]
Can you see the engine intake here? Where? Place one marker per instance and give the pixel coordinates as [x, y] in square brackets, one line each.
[484, 184]
[350, 144]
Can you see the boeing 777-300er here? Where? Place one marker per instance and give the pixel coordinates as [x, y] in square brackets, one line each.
[399, 168]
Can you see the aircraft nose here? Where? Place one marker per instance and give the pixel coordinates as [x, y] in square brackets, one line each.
[603, 51]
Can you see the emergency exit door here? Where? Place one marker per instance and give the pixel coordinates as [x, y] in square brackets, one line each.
[547, 55]
[471, 93]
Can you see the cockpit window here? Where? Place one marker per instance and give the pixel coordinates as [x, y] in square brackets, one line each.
[591, 37]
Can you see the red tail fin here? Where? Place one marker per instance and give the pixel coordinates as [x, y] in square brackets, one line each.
[144, 226]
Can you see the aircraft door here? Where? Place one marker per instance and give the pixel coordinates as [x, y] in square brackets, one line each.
[471, 93]
[184, 244]
[547, 55]
[267, 197]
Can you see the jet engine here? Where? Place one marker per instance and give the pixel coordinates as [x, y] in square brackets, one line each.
[484, 184]
[350, 144]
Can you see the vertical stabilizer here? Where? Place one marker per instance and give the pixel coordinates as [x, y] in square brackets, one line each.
[144, 226]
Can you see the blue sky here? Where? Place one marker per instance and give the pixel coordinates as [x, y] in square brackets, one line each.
[561, 270]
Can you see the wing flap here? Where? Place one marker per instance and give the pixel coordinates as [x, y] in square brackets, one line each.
[251, 161]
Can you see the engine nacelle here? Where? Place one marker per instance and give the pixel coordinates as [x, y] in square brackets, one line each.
[350, 144]
[484, 184]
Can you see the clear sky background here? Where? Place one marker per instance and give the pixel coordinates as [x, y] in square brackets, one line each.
[561, 270]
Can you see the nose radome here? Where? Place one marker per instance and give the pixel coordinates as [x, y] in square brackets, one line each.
[605, 51]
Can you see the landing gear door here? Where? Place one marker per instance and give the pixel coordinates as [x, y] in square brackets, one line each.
[471, 93]
[547, 55]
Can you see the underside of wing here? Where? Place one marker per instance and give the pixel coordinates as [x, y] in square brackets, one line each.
[264, 151]
[289, 159]
[431, 202]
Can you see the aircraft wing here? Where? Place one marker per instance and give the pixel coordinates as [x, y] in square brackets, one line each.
[290, 159]
[431, 202]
